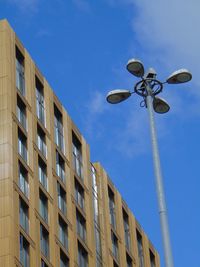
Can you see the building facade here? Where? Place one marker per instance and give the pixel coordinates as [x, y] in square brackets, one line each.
[57, 209]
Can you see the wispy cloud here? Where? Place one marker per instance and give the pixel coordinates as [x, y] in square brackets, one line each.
[133, 138]
[83, 5]
[24, 5]
[43, 33]
[95, 108]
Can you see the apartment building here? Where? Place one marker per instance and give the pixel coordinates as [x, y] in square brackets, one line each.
[57, 209]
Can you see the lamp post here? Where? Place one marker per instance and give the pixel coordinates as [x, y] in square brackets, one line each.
[148, 87]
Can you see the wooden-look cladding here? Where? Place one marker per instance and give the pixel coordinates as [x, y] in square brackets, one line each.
[10, 193]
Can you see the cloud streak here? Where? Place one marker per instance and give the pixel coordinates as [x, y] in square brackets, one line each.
[83, 5]
[24, 5]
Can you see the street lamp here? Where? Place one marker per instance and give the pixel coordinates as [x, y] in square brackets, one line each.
[148, 87]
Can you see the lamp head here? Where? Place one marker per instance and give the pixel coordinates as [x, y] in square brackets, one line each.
[160, 105]
[179, 76]
[135, 67]
[150, 74]
[117, 96]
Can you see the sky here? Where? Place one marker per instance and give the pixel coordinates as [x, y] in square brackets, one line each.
[82, 48]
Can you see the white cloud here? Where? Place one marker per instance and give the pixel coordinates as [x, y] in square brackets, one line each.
[169, 30]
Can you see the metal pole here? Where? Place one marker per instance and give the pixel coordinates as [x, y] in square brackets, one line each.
[159, 183]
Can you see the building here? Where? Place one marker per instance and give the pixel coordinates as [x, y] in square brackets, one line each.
[56, 208]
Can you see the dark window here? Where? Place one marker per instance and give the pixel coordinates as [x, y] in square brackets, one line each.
[126, 230]
[23, 215]
[81, 226]
[82, 256]
[140, 249]
[61, 199]
[129, 261]
[112, 207]
[42, 173]
[152, 259]
[44, 241]
[115, 264]
[43, 264]
[21, 112]
[64, 261]
[20, 81]
[77, 156]
[79, 195]
[22, 145]
[58, 129]
[40, 104]
[60, 167]
[23, 180]
[41, 141]
[114, 245]
[63, 233]
[24, 251]
[43, 206]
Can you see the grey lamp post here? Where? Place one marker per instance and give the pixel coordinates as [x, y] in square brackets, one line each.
[148, 87]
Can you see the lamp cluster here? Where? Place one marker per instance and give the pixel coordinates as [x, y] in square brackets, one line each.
[148, 85]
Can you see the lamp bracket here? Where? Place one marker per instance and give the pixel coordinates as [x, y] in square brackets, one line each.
[141, 87]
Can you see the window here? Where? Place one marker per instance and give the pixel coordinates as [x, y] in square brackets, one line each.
[20, 81]
[63, 233]
[40, 104]
[81, 226]
[21, 112]
[152, 259]
[98, 242]
[41, 142]
[112, 208]
[58, 128]
[64, 261]
[140, 249]
[77, 156]
[23, 215]
[79, 195]
[23, 180]
[22, 145]
[114, 245]
[60, 167]
[43, 206]
[126, 230]
[82, 257]
[94, 179]
[42, 172]
[96, 218]
[24, 251]
[61, 199]
[95, 195]
[129, 261]
[43, 264]
[44, 241]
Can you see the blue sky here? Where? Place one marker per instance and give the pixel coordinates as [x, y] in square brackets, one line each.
[82, 48]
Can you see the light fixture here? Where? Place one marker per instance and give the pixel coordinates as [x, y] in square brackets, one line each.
[179, 76]
[160, 105]
[135, 67]
[117, 96]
